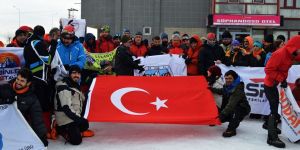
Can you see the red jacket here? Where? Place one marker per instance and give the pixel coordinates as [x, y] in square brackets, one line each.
[280, 62]
[138, 51]
[103, 45]
[192, 68]
[176, 50]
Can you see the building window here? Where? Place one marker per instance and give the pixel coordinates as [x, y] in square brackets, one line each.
[289, 3]
[297, 3]
[258, 1]
[253, 7]
[233, 1]
[147, 31]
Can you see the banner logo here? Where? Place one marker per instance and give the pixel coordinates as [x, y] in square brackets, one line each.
[158, 71]
[9, 65]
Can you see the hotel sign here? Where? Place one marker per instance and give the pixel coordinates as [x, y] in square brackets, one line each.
[246, 20]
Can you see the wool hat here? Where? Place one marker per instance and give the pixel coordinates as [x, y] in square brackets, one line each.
[258, 44]
[211, 35]
[235, 43]
[226, 34]
[164, 35]
[269, 38]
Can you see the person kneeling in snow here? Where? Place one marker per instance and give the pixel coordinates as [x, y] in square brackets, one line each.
[68, 105]
[234, 102]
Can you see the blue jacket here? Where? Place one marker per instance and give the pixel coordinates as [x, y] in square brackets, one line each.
[72, 54]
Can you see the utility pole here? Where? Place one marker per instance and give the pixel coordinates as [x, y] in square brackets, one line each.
[69, 12]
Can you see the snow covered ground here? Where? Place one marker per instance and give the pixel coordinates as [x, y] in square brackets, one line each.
[114, 136]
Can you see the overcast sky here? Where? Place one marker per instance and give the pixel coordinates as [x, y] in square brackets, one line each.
[33, 12]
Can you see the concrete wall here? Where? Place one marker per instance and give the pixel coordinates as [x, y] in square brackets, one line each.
[161, 15]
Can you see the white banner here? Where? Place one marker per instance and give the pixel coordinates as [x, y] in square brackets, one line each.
[290, 115]
[163, 65]
[253, 77]
[11, 60]
[78, 24]
[15, 133]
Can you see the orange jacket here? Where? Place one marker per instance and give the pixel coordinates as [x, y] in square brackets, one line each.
[281, 61]
[192, 68]
[138, 51]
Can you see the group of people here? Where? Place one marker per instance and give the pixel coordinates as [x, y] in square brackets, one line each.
[40, 94]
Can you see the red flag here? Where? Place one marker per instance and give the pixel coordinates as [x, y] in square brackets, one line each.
[178, 100]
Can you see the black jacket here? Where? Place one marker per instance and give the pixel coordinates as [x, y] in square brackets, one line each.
[236, 100]
[238, 59]
[155, 50]
[124, 63]
[208, 54]
[30, 107]
[32, 60]
[254, 62]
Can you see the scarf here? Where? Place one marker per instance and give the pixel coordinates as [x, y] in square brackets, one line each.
[228, 89]
[20, 91]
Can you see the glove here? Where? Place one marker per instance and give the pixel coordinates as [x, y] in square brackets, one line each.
[188, 61]
[138, 61]
[141, 69]
[284, 84]
[222, 118]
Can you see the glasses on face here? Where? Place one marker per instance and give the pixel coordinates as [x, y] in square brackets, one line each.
[246, 42]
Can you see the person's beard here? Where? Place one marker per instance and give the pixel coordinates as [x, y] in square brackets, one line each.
[164, 43]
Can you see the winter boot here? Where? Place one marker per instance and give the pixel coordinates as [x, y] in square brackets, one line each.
[229, 133]
[265, 126]
[273, 138]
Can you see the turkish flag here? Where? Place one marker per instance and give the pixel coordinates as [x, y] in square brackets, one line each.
[177, 100]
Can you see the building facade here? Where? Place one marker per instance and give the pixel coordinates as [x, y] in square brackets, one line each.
[148, 16]
[241, 17]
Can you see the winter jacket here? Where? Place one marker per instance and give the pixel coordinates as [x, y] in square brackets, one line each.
[208, 55]
[15, 43]
[37, 57]
[155, 50]
[68, 102]
[90, 47]
[237, 58]
[72, 54]
[138, 50]
[226, 48]
[218, 84]
[104, 45]
[254, 62]
[29, 106]
[193, 54]
[233, 100]
[124, 64]
[280, 62]
[173, 49]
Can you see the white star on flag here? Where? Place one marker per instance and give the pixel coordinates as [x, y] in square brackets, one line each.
[159, 103]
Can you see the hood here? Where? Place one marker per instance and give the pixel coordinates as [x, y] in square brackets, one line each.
[250, 40]
[199, 42]
[89, 36]
[293, 44]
